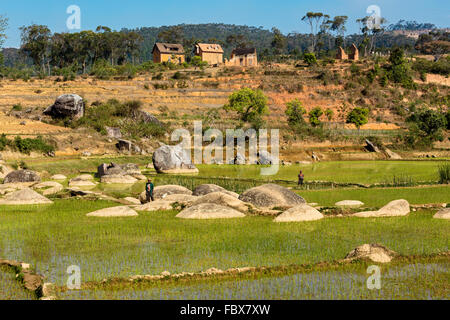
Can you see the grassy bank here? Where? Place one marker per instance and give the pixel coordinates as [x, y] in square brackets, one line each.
[10, 288]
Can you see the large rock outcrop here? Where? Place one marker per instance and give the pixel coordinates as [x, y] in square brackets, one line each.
[374, 252]
[161, 192]
[173, 159]
[109, 169]
[22, 176]
[48, 187]
[128, 146]
[123, 173]
[209, 211]
[118, 179]
[84, 180]
[396, 208]
[299, 213]
[58, 177]
[225, 200]
[204, 189]
[349, 204]
[183, 199]
[24, 197]
[67, 106]
[271, 195]
[122, 211]
[265, 158]
[158, 205]
[146, 117]
[371, 147]
[443, 214]
[392, 155]
[4, 170]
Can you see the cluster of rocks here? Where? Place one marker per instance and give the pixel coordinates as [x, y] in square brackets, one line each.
[177, 160]
[30, 280]
[119, 173]
[373, 252]
[206, 201]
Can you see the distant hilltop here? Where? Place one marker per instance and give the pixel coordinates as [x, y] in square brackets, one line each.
[415, 34]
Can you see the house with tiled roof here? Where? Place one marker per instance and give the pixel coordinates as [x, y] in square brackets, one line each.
[168, 52]
[210, 53]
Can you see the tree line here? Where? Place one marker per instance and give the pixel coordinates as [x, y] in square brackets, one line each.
[82, 49]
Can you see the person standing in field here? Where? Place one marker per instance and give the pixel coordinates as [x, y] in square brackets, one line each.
[301, 178]
[149, 190]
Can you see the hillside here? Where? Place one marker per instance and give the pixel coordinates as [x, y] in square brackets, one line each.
[178, 98]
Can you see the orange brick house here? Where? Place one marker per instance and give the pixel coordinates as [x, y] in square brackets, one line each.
[211, 53]
[168, 52]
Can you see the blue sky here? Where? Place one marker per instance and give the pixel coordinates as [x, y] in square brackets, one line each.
[283, 14]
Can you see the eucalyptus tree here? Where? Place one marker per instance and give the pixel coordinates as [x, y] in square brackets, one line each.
[36, 44]
[371, 31]
[314, 20]
[3, 26]
[338, 26]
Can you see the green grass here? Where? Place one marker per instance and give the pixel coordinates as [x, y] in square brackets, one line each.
[73, 166]
[54, 237]
[364, 172]
[10, 288]
[378, 197]
[337, 171]
[418, 280]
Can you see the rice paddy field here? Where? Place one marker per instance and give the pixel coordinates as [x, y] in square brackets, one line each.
[407, 281]
[56, 236]
[363, 172]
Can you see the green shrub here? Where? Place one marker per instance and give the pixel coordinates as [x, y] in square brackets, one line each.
[127, 71]
[28, 145]
[423, 66]
[17, 107]
[102, 69]
[430, 122]
[3, 142]
[295, 112]
[358, 117]
[121, 115]
[310, 59]
[314, 116]
[178, 75]
[355, 69]
[159, 76]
